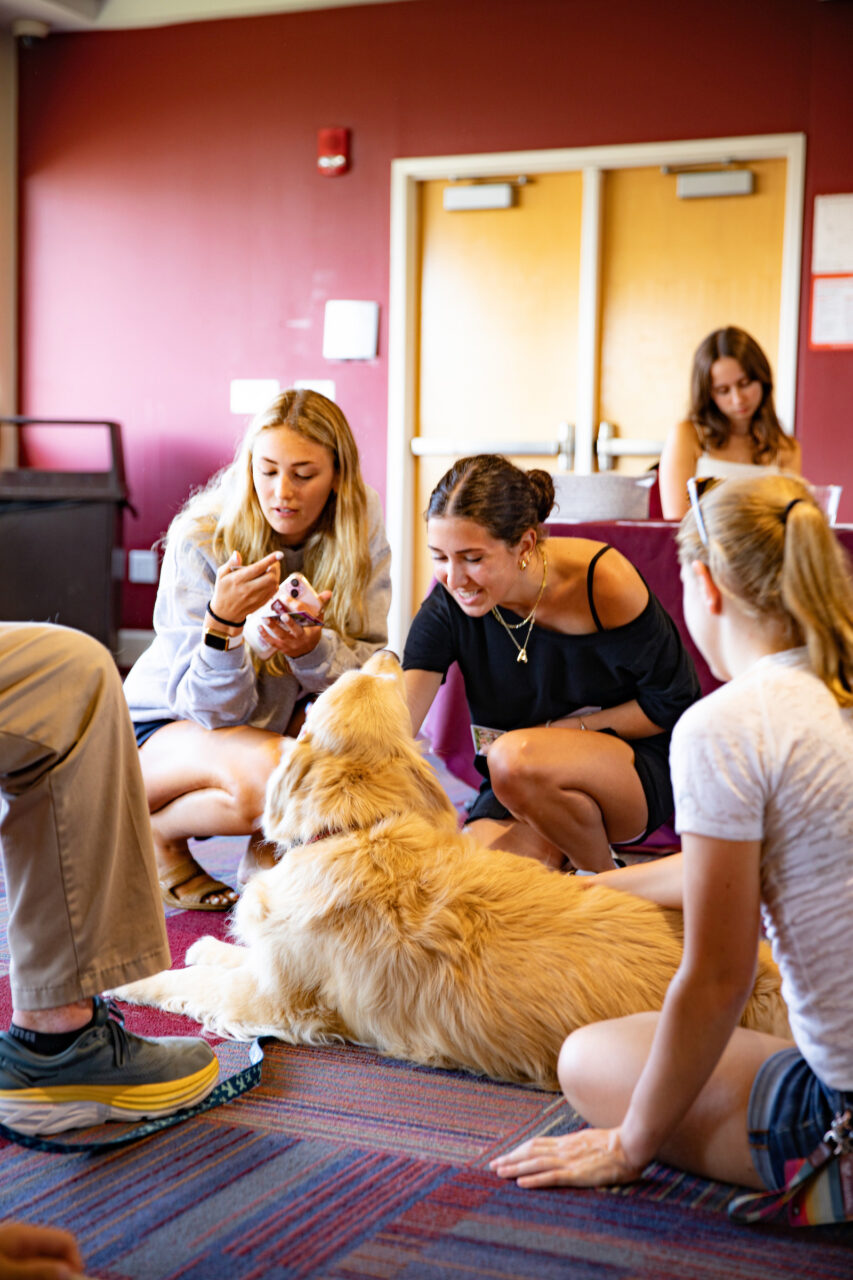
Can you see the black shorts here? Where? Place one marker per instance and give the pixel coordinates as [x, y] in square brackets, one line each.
[651, 761]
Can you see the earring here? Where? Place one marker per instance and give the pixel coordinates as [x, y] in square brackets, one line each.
[523, 562]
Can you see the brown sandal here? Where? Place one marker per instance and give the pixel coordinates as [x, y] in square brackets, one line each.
[182, 873]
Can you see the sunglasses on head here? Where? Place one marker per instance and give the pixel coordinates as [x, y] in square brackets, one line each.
[696, 487]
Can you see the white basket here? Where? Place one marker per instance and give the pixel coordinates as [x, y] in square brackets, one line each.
[601, 497]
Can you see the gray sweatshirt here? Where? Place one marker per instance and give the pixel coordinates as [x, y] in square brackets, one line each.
[179, 678]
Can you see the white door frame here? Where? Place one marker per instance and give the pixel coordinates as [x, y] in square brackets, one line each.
[592, 162]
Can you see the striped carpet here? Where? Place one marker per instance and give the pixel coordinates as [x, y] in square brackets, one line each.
[348, 1166]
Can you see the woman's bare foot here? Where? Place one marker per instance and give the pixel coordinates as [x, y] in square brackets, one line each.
[183, 883]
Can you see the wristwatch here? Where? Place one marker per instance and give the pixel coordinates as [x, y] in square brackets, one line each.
[219, 639]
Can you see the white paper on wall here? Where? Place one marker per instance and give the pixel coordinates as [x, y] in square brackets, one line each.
[832, 244]
[832, 311]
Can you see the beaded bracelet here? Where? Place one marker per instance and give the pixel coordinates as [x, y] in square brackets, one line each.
[222, 621]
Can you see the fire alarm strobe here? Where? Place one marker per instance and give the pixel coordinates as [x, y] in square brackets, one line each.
[333, 152]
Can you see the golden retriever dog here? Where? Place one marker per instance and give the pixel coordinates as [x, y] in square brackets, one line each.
[384, 925]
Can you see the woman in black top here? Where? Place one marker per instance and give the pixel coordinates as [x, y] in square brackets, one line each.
[565, 652]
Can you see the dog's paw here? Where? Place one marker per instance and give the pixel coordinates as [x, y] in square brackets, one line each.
[202, 951]
[209, 950]
[145, 991]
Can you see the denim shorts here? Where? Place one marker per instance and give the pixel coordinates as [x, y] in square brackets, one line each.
[143, 729]
[789, 1111]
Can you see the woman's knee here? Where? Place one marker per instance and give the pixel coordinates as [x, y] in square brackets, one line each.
[600, 1064]
[182, 759]
[513, 769]
[578, 1066]
[524, 787]
[522, 774]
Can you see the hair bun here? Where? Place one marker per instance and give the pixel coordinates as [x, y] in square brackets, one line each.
[542, 483]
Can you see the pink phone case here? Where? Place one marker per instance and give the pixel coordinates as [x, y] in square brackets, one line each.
[298, 599]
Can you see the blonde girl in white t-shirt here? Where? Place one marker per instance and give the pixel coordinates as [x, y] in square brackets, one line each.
[763, 780]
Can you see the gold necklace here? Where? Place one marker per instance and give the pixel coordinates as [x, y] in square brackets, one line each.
[525, 622]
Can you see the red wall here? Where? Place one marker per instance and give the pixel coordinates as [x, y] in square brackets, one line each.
[175, 232]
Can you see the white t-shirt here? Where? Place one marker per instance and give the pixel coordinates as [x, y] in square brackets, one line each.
[721, 468]
[769, 756]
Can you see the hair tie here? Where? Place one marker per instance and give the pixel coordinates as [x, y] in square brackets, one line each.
[225, 622]
[787, 510]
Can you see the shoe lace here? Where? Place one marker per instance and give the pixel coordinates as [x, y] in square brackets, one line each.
[114, 1026]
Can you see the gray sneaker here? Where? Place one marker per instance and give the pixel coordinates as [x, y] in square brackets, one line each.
[106, 1074]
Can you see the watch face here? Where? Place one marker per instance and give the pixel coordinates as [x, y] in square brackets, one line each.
[214, 640]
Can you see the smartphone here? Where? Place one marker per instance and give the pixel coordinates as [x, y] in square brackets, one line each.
[299, 601]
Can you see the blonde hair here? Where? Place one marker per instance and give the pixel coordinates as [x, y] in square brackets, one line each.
[228, 515]
[769, 545]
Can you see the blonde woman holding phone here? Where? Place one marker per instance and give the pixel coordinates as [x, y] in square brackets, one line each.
[213, 694]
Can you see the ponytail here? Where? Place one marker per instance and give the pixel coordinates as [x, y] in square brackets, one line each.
[816, 592]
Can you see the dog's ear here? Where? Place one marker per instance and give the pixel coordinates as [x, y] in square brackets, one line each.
[279, 820]
[384, 663]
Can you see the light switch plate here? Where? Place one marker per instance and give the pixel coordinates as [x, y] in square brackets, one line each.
[142, 566]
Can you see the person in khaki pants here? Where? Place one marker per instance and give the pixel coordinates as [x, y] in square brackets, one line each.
[84, 906]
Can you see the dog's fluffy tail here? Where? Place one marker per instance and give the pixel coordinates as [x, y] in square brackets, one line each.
[766, 1010]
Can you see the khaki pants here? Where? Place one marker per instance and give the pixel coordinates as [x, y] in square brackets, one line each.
[84, 909]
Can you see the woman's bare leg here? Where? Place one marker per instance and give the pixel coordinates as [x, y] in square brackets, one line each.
[204, 782]
[600, 1065]
[259, 855]
[516, 837]
[579, 792]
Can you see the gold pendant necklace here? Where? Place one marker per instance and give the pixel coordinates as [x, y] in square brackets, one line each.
[525, 622]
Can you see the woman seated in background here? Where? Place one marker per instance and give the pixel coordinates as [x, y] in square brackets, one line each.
[574, 673]
[209, 711]
[763, 779]
[732, 429]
